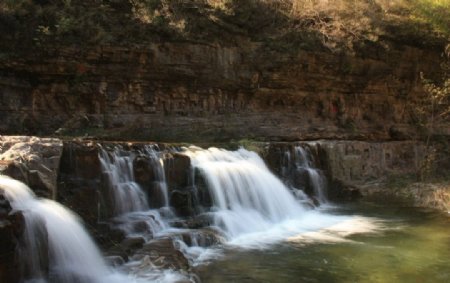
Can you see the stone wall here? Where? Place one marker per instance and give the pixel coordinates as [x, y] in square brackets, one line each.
[206, 92]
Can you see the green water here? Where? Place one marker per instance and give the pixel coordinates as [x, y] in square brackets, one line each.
[412, 246]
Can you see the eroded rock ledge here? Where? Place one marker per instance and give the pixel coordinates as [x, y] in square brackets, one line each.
[70, 171]
[32, 160]
[202, 92]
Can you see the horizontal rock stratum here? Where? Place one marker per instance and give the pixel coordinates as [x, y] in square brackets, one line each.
[201, 92]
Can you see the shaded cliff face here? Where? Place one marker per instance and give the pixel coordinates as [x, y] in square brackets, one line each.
[191, 92]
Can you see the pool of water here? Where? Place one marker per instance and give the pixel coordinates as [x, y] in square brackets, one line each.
[380, 244]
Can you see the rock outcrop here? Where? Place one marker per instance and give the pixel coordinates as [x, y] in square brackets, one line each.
[32, 160]
[207, 92]
[351, 167]
[358, 163]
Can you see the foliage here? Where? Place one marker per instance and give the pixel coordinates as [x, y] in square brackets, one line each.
[435, 12]
[285, 25]
[251, 145]
[431, 111]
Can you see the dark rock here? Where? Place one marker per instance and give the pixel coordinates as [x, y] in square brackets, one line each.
[131, 244]
[143, 170]
[178, 171]
[5, 206]
[9, 266]
[10, 233]
[203, 196]
[205, 237]
[183, 201]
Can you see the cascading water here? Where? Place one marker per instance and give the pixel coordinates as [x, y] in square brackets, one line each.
[72, 255]
[56, 249]
[251, 206]
[246, 196]
[126, 194]
[303, 160]
[131, 209]
[158, 171]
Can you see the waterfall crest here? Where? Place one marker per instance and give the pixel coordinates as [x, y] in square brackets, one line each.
[246, 196]
[126, 194]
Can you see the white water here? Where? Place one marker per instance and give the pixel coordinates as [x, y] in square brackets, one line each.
[72, 255]
[252, 206]
[246, 196]
[126, 193]
[303, 160]
[159, 172]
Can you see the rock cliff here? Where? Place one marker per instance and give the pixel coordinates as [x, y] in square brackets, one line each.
[202, 92]
[205, 70]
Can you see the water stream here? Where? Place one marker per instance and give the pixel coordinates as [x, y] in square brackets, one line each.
[269, 235]
[378, 244]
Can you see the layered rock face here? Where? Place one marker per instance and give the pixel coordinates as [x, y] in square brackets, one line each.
[201, 92]
[32, 160]
[352, 168]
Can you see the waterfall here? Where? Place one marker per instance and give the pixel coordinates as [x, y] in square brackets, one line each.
[246, 196]
[126, 194]
[55, 248]
[303, 160]
[72, 255]
[158, 171]
[132, 212]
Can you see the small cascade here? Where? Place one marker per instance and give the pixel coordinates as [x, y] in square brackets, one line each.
[303, 159]
[133, 214]
[157, 163]
[246, 196]
[299, 163]
[53, 237]
[126, 194]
